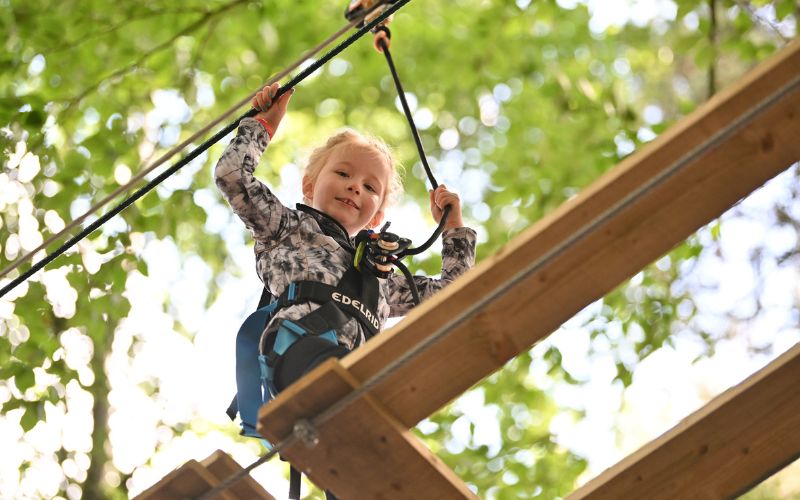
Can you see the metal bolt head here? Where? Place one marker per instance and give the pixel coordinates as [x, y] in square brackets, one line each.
[306, 433]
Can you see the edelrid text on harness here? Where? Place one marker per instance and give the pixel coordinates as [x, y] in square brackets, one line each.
[268, 361]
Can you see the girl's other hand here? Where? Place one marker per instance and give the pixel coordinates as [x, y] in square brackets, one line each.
[440, 198]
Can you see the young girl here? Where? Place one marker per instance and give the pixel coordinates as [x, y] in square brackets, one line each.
[348, 184]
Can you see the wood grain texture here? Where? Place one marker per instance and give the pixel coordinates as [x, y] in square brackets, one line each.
[190, 480]
[590, 245]
[223, 466]
[728, 446]
[194, 478]
[363, 452]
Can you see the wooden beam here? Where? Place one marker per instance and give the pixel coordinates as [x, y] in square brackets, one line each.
[592, 243]
[194, 478]
[635, 213]
[367, 453]
[222, 466]
[188, 481]
[730, 445]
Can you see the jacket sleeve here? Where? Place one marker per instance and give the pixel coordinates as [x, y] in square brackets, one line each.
[251, 200]
[458, 255]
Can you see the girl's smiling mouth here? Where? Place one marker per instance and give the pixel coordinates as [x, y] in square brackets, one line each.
[348, 202]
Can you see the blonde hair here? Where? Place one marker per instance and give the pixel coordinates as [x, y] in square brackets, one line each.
[349, 136]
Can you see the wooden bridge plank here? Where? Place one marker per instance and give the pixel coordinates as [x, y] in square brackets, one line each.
[363, 452]
[722, 450]
[631, 216]
[223, 466]
[190, 480]
[568, 259]
[194, 478]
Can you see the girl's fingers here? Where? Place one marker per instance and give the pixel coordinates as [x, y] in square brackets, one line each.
[444, 201]
[263, 99]
[265, 104]
[444, 197]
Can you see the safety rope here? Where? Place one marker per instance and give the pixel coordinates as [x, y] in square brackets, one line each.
[175, 150]
[197, 151]
[422, 156]
[306, 428]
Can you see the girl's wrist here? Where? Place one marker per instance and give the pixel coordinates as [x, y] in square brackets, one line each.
[454, 223]
[266, 126]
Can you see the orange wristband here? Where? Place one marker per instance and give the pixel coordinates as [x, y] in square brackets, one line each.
[263, 122]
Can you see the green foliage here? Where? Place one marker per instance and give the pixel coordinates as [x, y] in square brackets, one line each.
[528, 462]
[541, 104]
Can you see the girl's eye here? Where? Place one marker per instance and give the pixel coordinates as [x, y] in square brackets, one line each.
[369, 187]
[341, 173]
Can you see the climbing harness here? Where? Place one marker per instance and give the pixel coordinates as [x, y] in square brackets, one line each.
[267, 361]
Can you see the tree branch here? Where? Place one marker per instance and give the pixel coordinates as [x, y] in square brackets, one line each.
[747, 7]
[158, 48]
[212, 26]
[110, 29]
[92, 486]
[712, 40]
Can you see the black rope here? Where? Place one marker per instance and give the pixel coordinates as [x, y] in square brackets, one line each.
[412, 285]
[420, 149]
[406, 108]
[200, 149]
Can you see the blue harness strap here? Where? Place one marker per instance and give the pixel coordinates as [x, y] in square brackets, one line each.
[254, 376]
[251, 392]
[261, 366]
[288, 333]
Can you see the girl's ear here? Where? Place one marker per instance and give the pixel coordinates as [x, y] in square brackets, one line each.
[376, 220]
[308, 188]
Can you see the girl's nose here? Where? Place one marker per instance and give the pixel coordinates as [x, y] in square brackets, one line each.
[353, 187]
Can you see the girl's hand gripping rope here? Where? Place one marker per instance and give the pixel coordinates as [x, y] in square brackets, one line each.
[440, 198]
[271, 111]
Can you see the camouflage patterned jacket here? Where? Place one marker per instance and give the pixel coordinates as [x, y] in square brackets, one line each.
[291, 246]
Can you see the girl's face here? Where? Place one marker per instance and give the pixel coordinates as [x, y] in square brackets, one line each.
[350, 186]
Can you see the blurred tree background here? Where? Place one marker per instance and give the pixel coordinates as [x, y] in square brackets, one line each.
[520, 105]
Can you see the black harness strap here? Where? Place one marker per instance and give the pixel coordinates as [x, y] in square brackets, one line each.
[355, 296]
[294, 483]
[265, 299]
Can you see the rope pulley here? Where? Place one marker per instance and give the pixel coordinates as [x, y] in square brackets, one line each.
[357, 9]
[380, 249]
[383, 250]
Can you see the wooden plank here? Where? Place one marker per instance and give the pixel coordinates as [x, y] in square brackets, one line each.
[730, 445]
[194, 478]
[362, 452]
[190, 480]
[632, 215]
[591, 244]
[222, 466]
